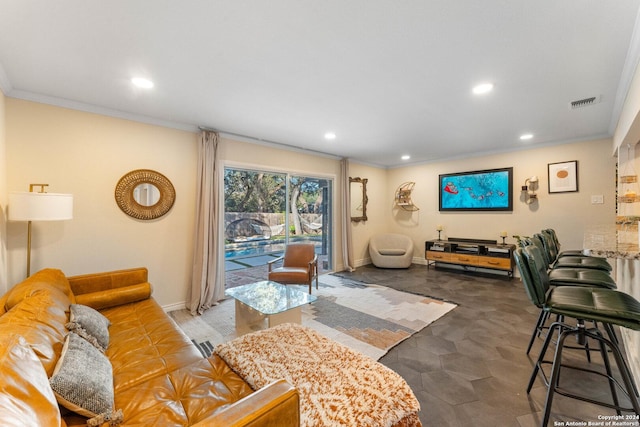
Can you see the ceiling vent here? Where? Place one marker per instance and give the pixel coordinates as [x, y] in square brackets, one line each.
[580, 103]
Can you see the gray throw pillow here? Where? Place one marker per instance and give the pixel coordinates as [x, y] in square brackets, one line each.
[83, 380]
[90, 325]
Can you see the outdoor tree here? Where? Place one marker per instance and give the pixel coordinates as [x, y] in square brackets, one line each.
[263, 192]
[247, 191]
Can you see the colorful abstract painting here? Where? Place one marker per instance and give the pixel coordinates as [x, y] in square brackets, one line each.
[479, 190]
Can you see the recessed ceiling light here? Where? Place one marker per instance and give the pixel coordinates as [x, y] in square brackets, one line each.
[405, 157]
[142, 83]
[483, 88]
[330, 136]
[526, 136]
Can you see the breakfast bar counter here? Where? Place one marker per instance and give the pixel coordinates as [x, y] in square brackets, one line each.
[613, 242]
[619, 244]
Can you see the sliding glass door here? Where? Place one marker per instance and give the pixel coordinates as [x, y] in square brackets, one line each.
[266, 210]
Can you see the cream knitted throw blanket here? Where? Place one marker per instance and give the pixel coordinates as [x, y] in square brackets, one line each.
[338, 386]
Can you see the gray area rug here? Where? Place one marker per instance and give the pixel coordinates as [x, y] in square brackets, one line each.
[369, 318]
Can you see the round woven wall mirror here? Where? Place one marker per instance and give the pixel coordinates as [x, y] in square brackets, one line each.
[145, 194]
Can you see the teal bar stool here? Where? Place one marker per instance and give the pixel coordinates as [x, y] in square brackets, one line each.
[608, 307]
[562, 253]
[565, 277]
[582, 273]
[569, 261]
[540, 329]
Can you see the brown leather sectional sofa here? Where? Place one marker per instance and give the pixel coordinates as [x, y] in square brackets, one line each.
[159, 376]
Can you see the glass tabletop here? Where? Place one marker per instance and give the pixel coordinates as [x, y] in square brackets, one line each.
[270, 297]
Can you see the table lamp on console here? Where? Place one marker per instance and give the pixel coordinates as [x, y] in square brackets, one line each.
[504, 235]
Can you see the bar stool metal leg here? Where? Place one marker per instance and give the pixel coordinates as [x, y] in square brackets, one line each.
[552, 382]
[542, 319]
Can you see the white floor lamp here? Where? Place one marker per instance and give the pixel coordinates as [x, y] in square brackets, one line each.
[38, 206]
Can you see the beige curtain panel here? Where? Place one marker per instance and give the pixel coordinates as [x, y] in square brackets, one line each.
[207, 280]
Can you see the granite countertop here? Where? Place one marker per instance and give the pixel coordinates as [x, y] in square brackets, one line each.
[612, 242]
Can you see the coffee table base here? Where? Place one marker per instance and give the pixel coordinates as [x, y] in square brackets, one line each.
[248, 319]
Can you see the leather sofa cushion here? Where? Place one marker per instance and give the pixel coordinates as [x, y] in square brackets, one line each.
[48, 278]
[182, 397]
[145, 343]
[114, 297]
[41, 320]
[25, 396]
[110, 280]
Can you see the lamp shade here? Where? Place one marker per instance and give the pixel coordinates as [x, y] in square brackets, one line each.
[31, 206]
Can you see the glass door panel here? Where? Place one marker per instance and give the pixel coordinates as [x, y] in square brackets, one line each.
[254, 217]
[310, 215]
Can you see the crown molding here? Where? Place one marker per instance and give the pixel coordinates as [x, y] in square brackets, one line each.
[89, 108]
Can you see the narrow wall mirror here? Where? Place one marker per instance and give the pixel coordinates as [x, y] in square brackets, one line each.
[358, 196]
[145, 194]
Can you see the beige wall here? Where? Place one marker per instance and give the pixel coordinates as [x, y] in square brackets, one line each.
[568, 213]
[378, 208]
[3, 200]
[86, 154]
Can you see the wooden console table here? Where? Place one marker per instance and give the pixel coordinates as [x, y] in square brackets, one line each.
[471, 253]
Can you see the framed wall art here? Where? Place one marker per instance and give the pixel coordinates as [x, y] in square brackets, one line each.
[485, 190]
[563, 177]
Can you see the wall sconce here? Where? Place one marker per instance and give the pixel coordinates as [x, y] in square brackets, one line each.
[40, 206]
[529, 189]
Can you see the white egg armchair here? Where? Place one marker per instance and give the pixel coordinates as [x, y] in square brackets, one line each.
[391, 250]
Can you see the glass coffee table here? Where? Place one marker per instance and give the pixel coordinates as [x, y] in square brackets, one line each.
[268, 300]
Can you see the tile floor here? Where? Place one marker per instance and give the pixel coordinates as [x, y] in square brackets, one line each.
[469, 368]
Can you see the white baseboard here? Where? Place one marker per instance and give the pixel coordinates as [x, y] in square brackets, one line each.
[419, 260]
[367, 261]
[174, 306]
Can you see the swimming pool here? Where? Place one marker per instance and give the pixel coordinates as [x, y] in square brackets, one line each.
[262, 247]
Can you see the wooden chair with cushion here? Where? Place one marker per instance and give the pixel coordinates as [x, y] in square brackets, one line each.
[299, 266]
